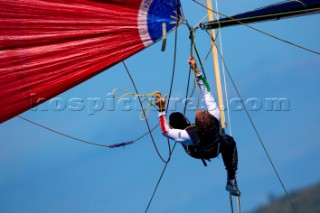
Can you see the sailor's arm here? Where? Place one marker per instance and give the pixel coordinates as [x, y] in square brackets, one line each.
[175, 134]
[205, 90]
[207, 95]
[178, 135]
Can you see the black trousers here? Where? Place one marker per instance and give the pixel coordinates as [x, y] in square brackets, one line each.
[229, 152]
[227, 145]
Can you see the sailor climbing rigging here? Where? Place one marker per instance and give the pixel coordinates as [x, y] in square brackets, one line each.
[202, 140]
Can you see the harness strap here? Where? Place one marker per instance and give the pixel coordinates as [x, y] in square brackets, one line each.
[204, 162]
[200, 152]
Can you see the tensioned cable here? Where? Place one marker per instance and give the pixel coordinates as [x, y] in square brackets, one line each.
[144, 113]
[189, 75]
[256, 131]
[214, 42]
[198, 56]
[98, 144]
[214, 37]
[85, 141]
[171, 86]
[224, 82]
[260, 31]
[172, 77]
[160, 178]
[187, 92]
[224, 76]
[174, 146]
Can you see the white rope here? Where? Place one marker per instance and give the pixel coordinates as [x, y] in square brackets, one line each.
[201, 20]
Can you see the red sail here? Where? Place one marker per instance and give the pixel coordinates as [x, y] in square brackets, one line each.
[49, 46]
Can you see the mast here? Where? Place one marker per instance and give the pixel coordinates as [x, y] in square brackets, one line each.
[216, 68]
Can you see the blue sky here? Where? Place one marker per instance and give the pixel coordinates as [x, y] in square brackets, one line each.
[44, 172]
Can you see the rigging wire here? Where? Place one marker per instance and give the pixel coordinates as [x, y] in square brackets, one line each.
[261, 31]
[122, 144]
[189, 75]
[113, 145]
[175, 143]
[187, 92]
[149, 98]
[170, 91]
[145, 116]
[85, 141]
[193, 47]
[160, 178]
[255, 129]
[224, 81]
[198, 56]
[216, 66]
[172, 75]
[223, 72]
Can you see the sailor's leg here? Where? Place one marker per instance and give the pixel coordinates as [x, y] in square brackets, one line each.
[230, 158]
[229, 153]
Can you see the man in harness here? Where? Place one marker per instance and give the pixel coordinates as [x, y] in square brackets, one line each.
[202, 140]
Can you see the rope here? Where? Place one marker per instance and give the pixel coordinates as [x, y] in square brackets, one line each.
[224, 82]
[145, 110]
[257, 133]
[187, 91]
[172, 79]
[223, 72]
[122, 144]
[213, 44]
[260, 31]
[144, 113]
[186, 98]
[159, 180]
[85, 141]
[174, 146]
[199, 22]
[194, 47]
[189, 75]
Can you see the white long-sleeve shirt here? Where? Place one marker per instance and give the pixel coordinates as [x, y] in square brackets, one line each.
[182, 136]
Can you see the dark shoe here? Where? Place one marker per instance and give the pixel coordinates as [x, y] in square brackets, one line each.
[232, 187]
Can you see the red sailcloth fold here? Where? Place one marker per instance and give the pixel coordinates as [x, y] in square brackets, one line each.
[49, 46]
